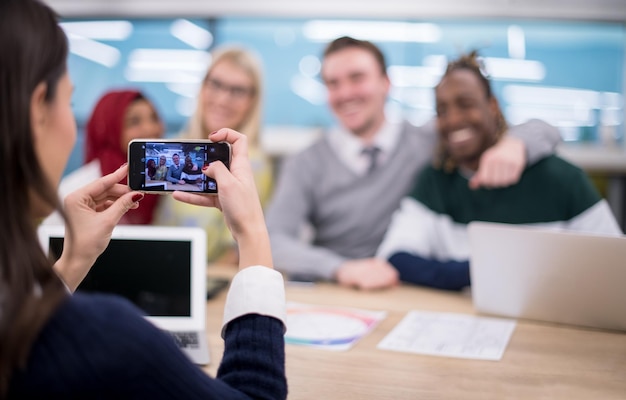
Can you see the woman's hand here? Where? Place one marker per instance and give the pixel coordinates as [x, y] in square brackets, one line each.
[92, 212]
[238, 199]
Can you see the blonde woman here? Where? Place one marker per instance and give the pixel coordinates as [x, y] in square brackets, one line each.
[230, 97]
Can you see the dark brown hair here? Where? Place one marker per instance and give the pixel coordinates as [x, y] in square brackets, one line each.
[345, 42]
[470, 62]
[34, 50]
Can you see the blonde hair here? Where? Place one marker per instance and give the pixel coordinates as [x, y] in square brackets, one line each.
[251, 125]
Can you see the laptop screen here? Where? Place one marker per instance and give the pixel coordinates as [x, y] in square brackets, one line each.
[153, 274]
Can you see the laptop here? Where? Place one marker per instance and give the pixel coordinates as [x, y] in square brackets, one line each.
[162, 270]
[548, 275]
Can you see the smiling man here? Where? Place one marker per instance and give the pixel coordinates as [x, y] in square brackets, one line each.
[427, 241]
[347, 185]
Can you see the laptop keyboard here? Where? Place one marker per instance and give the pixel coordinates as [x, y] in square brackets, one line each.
[185, 339]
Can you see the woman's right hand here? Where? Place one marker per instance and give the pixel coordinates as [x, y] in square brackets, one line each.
[238, 199]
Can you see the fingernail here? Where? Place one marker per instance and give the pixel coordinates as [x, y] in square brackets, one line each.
[204, 167]
[123, 165]
[137, 197]
[212, 133]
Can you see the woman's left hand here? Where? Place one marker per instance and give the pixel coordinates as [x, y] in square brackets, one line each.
[93, 211]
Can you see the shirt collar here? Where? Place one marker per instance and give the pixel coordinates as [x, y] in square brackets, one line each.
[349, 147]
[385, 139]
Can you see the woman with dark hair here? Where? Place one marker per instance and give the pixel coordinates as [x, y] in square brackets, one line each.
[150, 169]
[57, 345]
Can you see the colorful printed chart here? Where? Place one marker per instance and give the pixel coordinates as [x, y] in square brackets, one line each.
[330, 328]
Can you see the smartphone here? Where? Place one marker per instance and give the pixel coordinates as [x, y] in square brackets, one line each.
[165, 165]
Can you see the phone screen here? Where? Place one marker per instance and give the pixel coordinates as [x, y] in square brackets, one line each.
[166, 165]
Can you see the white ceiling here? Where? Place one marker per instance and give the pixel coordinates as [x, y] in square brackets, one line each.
[589, 10]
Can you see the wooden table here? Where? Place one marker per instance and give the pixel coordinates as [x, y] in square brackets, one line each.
[542, 361]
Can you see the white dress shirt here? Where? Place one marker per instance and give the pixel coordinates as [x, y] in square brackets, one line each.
[256, 290]
[349, 147]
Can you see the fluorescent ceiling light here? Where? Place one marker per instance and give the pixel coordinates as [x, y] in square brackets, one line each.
[135, 75]
[498, 68]
[94, 51]
[551, 96]
[190, 33]
[612, 100]
[563, 106]
[611, 117]
[437, 62]
[379, 31]
[405, 76]
[517, 42]
[99, 30]
[309, 89]
[187, 60]
[167, 65]
[189, 90]
[511, 69]
[557, 116]
[169, 59]
[416, 98]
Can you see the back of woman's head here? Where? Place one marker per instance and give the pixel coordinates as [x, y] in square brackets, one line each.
[34, 51]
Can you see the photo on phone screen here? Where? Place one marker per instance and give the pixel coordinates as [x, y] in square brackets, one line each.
[168, 165]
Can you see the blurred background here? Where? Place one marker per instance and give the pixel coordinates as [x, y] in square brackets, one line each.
[558, 60]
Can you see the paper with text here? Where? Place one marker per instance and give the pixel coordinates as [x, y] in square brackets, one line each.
[450, 335]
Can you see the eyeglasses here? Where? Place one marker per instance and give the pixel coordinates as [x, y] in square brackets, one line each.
[235, 91]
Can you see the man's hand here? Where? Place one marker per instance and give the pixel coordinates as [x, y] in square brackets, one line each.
[367, 274]
[501, 165]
